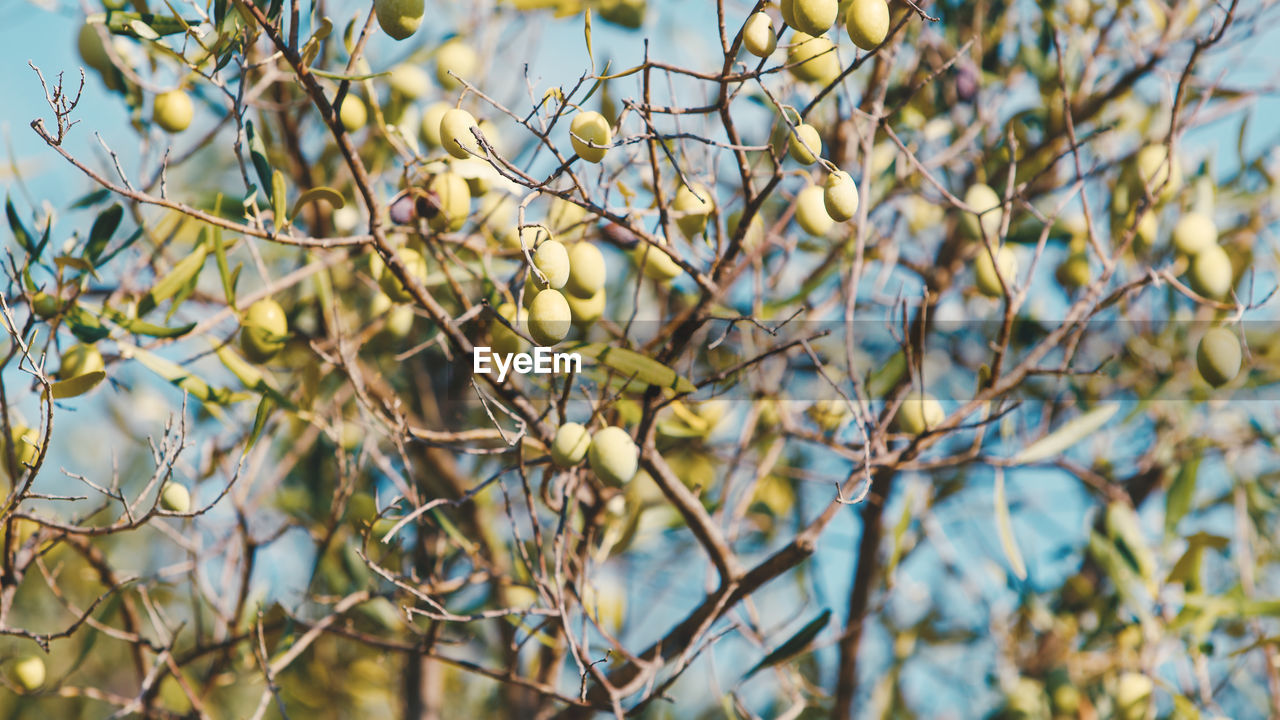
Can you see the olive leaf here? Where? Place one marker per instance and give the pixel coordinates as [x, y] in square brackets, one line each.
[794, 645]
[85, 325]
[245, 372]
[140, 327]
[885, 378]
[103, 228]
[146, 26]
[78, 385]
[1178, 500]
[260, 417]
[179, 277]
[258, 153]
[586, 33]
[317, 194]
[632, 364]
[1004, 527]
[20, 232]
[183, 378]
[279, 198]
[1070, 433]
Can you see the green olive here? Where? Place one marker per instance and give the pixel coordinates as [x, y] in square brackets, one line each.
[414, 264]
[45, 305]
[1219, 357]
[352, 114]
[985, 270]
[587, 272]
[1133, 694]
[399, 18]
[984, 202]
[92, 50]
[613, 455]
[173, 111]
[590, 126]
[80, 359]
[409, 81]
[806, 144]
[788, 10]
[503, 340]
[758, 36]
[811, 211]
[1210, 273]
[1194, 232]
[549, 317]
[26, 447]
[449, 200]
[431, 118]
[455, 133]
[867, 22]
[655, 263]
[1151, 167]
[175, 498]
[570, 445]
[1074, 271]
[27, 672]
[829, 414]
[264, 330]
[693, 204]
[457, 57]
[814, 17]
[626, 13]
[840, 196]
[586, 310]
[919, 413]
[552, 260]
[813, 59]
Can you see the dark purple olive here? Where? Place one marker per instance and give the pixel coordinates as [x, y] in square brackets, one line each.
[402, 209]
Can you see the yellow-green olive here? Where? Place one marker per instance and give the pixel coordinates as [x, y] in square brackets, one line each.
[264, 330]
[1218, 357]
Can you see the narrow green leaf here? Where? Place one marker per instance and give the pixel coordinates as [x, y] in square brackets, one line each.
[886, 377]
[795, 645]
[319, 194]
[259, 421]
[20, 232]
[1070, 433]
[180, 376]
[220, 254]
[147, 26]
[103, 228]
[78, 385]
[67, 261]
[245, 371]
[90, 199]
[140, 29]
[632, 364]
[1178, 500]
[353, 78]
[258, 153]
[140, 327]
[183, 273]
[586, 33]
[279, 198]
[85, 325]
[1126, 532]
[1004, 527]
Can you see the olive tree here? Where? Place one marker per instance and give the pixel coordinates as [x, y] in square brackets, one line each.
[902, 359]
